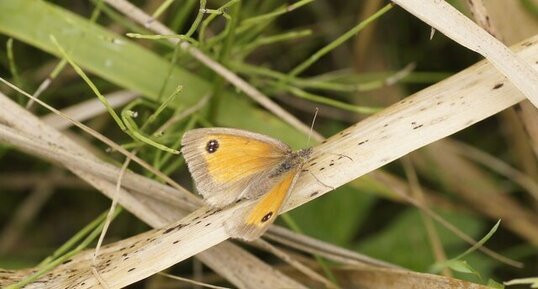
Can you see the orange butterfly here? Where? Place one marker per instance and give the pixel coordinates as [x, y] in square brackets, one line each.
[229, 165]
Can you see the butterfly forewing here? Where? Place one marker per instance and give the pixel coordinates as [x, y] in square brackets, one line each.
[225, 162]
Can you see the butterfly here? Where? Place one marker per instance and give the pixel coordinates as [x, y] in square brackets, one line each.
[231, 165]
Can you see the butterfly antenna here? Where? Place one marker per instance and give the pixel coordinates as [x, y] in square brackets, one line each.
[312, 127]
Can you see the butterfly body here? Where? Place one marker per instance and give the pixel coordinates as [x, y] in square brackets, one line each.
[292, 160]
[231, 165]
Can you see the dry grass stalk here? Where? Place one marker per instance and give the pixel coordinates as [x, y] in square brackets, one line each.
[481, 17]
[518, 127]
[445, 18]
[373, 278]
[483, 195]
[329, 251]
[300, 267]
[433, 237]
[88, 109]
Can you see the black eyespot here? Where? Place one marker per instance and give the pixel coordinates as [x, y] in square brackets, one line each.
[267, 217]
[212, 146]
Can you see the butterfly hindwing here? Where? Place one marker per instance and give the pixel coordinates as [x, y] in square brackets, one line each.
[252, 220]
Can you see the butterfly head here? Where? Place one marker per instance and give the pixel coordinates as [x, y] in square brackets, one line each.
[305, 154]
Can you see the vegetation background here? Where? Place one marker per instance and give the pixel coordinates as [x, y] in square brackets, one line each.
[350, 59]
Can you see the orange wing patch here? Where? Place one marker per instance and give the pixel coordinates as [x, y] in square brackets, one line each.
[252, 221]
[269, 205]
[238, 157]
[224, 164]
